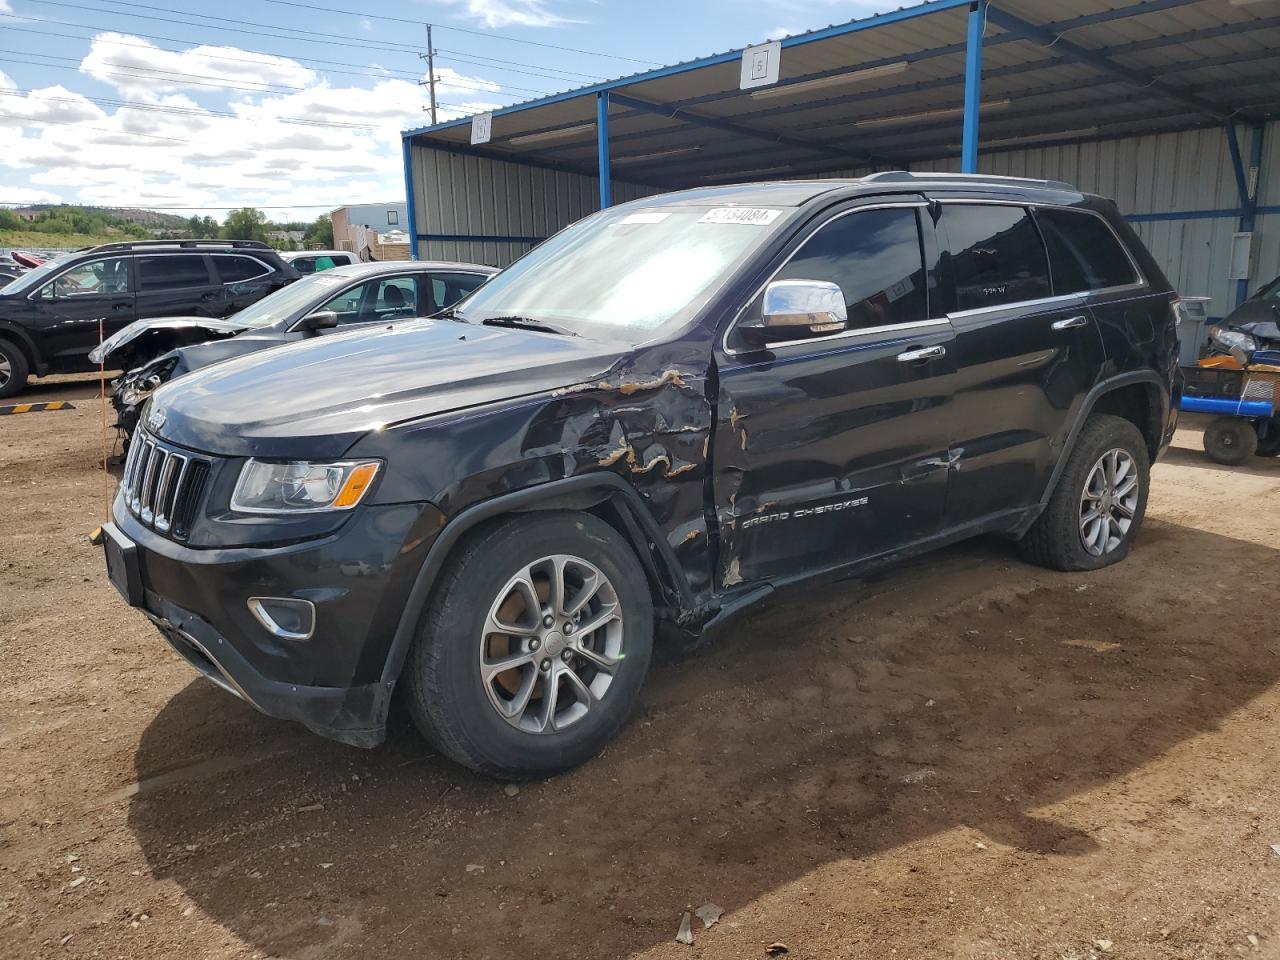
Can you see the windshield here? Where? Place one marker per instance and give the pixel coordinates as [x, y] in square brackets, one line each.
[286, 302]
[35, 276]
[626, 273]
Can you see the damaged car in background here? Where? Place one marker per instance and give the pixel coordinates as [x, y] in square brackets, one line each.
[340, 298]
[656, 418]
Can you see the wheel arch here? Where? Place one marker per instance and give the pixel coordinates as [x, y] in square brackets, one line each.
[606, 495]
[25, 342]
[1140, 397]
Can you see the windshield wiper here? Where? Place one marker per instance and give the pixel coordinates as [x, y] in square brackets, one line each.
[526, 323]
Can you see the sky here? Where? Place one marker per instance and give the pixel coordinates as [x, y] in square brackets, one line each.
[200, 107]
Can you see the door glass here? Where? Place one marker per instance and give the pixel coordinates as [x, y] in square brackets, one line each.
[304, 265]
[172, 272]
[98, 278]
[1083, 252]
[875, 256]
[995, 255]
[347, 304]
[397, 297]
[448, 288]
[322, 263]
[238, 269]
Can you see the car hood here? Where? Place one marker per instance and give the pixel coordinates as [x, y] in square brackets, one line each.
[317, 397]
[133, 331]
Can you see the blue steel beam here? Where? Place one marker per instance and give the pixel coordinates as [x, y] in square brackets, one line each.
[602, 148]
[1237, 164]
[973, 87]
[1049, 39]
[410, 207]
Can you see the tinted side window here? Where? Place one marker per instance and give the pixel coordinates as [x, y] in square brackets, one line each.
[1083, 252]
[995, 255]
[171, 272]
[103, 278]
[304, 265]
[238, 269]
[875, 256]
[448, 288]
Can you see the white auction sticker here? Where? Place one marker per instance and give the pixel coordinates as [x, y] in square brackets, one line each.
[752, 215]
[651, 216]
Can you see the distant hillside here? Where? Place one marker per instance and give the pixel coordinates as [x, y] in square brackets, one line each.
[112, 216]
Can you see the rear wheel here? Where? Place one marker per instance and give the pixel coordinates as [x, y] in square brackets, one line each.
[1230, 441]
[534, 647]
[13, 369]
[1097, 508]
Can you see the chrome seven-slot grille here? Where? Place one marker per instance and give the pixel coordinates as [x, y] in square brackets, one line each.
[162, 487]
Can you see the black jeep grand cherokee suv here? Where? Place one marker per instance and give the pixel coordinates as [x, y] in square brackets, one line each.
[664, 413]
[52, 316]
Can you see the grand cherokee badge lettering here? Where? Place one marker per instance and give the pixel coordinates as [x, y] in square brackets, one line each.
[801, 512]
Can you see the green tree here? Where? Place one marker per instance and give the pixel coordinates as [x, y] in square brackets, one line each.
[320, 233]
[247, 223]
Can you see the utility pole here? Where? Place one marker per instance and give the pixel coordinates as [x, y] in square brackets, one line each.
[431, 74]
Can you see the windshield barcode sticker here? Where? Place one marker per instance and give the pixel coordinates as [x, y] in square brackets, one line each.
[752, 215]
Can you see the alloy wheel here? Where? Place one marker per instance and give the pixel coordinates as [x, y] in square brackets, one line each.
[1109, 502]
[6, 370]
[552, 644]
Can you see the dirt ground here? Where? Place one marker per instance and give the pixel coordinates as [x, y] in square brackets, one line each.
[966, 757]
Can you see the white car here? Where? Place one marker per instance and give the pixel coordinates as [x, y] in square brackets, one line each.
[314, 261]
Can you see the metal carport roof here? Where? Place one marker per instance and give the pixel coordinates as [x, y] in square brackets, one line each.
[890, 89]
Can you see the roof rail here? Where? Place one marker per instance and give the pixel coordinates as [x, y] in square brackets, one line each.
[183, 244]
[906, 176]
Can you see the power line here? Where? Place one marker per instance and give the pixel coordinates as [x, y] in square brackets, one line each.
[76, 123]
[477, 33]
[187, 79]
[187, 111]
[326, 65]
[334, 40]
[148, 36]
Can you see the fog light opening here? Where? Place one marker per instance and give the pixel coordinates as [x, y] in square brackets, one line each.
[285, 617]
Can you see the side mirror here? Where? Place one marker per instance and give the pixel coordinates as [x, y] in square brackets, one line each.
[320, 320]
[793, 309]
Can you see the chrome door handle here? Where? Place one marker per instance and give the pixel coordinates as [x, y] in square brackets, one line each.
[924, 353]
[1071, 323]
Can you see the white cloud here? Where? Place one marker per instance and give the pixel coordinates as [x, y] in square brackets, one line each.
[134, 66]
[513, 13]
[177, 144]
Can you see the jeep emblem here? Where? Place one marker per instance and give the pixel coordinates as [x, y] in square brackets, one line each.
[155, 420]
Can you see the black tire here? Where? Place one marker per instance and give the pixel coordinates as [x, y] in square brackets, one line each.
[15, 361]
[1269, 446]
[1055, 540]
[446, 695]
[1230, 441]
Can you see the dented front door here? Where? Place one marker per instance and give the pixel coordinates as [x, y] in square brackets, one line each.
[835, 449]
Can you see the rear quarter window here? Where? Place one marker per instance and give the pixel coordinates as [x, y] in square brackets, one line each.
[1084, 253]
[238, 269]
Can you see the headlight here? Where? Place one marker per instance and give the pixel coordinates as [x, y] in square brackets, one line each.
[266, 487]
[1233, 339]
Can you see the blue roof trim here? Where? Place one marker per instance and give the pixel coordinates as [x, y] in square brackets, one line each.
[853, 26]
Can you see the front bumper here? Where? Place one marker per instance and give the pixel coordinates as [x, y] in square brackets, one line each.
[358, 579]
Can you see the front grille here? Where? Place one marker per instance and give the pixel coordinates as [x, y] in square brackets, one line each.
[163, 486]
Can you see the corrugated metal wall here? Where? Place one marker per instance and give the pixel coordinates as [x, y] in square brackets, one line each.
[1163, 175]
[504, 208]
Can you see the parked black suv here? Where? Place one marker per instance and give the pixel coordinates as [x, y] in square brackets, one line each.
[52, 316]
[664, 413]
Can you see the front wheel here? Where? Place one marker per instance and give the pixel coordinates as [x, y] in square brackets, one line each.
[13, 369]
[534, 647]
[1097, 508]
